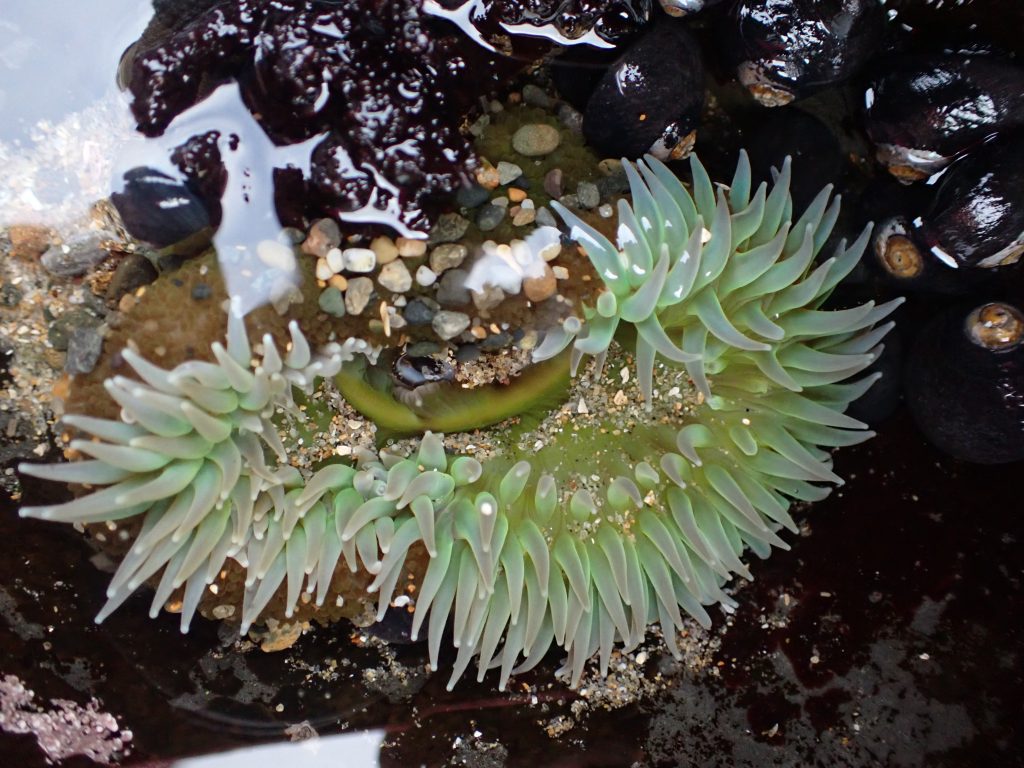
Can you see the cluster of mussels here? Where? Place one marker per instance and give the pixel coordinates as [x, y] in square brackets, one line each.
[563, 416]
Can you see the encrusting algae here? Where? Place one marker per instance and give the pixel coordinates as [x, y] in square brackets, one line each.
[588, 509]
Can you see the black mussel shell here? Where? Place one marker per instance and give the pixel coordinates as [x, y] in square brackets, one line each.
[787, 49]
[159, 209]
[651, 98]
[964, 383]
[680, 8]
[923, 110]
[609, 20]
[976, 218]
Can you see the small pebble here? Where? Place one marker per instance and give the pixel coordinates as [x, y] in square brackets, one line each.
[448, 325]
[536, 140]
[84, 348]
[419, 312]
[323, 236]
[501, 201]
[323, 270]
[570, 117]
[546, 218]
[508, 172]
[489, 217]
[535, 96]
[359, 260]
[77, 255]
[60, 329]
[450, 228]
[201, 291]
[538, 289]
[451, 288]
[588, 194]
[425, 276]
[29, 241]
[553, 183]
[569, 201]
[561, 273]
[360, 290]
[409, 248]
[447, 256]
[467, 353]
[471, 196]
[487, 176]
[335, 261]
[338, 281]
[134, 271]
[10, 295]
[276, 255]
[490, 297]
[395, 277]
[332, 301]
[516, 195]
[605, 211]
[524, 216]
[385, 249]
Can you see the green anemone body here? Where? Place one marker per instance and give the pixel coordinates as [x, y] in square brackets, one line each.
[582, 540]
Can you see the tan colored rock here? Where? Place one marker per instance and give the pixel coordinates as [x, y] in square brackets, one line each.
[538, 289]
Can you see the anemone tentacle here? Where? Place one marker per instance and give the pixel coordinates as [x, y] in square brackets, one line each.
[523, 555]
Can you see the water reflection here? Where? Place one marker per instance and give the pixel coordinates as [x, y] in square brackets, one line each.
[351, 750]
[63, 118]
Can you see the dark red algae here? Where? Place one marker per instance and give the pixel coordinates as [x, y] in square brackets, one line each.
[890, 635]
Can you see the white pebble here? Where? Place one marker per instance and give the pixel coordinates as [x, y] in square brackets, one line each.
[359, 259]
[276, 255]
[335, 260]
[408, 247]
[425, 276]
[605, 211]
[323, 270]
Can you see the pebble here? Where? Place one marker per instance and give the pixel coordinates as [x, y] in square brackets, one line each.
[489, 217]
[588, 195]
[276, 255]
[546, 218]
[536, 140]
[538, 289]
[419, 312]
[447, 256]
[323, 270]
[467, 353]
[487, 176]
[569, 201]
[332, 301]
[323, 236]
[335, 261]
[605, 211]
[448, 325]
[553, 183]
[516, 195]
[84, 347]
[134, 271]
[338, 281]
[570, 117]
[508, 172]
[450, 228]
[561, 273]
[10, 295]
[524, 216]
[425, 276]
[62, 327]
[395, 277]
[359, 260]
[451, 288]
[497, 341]
[385, 249]
[360, 290]
[201, 292]
[471, 196]
[490, 297]
[535, 96]
[77, 255]
[501, 202]
[409, 248]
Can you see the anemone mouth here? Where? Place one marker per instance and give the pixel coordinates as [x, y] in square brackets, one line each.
[612, 494]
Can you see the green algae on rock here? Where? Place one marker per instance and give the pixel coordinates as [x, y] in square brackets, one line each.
[572, 532]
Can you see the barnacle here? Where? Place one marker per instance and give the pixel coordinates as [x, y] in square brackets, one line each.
[579, 536]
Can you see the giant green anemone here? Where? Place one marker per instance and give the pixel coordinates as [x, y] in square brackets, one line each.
[578, 531]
